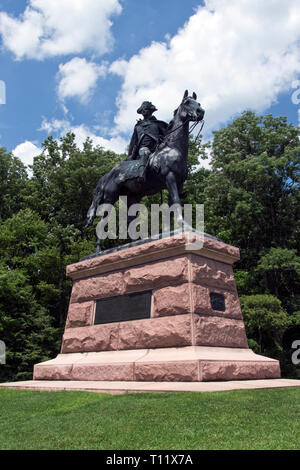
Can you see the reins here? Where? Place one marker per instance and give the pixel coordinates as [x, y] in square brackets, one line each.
[200, 130]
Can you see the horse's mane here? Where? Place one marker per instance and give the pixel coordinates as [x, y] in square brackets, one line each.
[171, 123]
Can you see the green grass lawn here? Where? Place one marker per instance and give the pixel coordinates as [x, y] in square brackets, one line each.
[256, 419]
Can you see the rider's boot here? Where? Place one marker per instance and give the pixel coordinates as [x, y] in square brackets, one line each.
[144, 155]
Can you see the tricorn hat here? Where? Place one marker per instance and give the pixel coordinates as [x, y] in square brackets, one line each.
[146, 105]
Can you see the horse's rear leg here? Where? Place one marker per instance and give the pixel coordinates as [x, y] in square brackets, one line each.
[110, 196]
[131, 199]
[101, 226]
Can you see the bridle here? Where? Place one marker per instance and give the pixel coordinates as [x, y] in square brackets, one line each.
[194, 125]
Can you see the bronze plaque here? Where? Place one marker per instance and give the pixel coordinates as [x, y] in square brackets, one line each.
[217, 302]
[123, 308]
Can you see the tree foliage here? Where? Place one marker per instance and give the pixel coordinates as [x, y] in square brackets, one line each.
[264, 319]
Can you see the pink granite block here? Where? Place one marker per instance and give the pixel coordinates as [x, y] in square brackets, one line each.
[120, 257]
[155, 333]
[56, 372]
[158, 274]
[102, 372]
[221, 247]
[202, 304]
[167, 372]
[97, 287]
[239, 370]
[156, 250]
[221, 332]
[80, 314]
[91, 338]
[212, 273]
[174, 300]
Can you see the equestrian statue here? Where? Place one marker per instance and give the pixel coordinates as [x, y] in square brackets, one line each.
[157, 159]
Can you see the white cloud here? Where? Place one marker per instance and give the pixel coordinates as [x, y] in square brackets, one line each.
[48, 28]
[55, 125]
[26, 151]
[82, 132]
[235, 54]
[78, 78]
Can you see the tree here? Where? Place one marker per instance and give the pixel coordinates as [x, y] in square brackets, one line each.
[64, 178]
[25, 327]
[265, 320]
[13, 179]
[281, 272]
[252, 198]
[253, 193]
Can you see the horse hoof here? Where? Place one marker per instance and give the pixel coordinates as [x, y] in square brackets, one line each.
[89, 223]
[98, 249]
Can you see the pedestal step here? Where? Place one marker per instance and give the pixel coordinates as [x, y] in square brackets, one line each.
[135, 387]
[187, 364]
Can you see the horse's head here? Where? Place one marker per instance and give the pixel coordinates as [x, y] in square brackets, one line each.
[190, 109]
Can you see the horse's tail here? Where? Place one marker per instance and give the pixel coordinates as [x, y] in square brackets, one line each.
[98, 197]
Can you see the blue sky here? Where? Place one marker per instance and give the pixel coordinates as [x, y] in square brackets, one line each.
[86, 65]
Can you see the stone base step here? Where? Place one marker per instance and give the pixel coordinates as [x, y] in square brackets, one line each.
[135, 387]
[187, 364]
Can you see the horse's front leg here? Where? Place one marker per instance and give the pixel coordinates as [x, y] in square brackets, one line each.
[174, 198]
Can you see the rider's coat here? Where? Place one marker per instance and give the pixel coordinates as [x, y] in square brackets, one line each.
[144, 129]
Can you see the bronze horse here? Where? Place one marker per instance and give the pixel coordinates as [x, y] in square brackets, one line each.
[166, 168]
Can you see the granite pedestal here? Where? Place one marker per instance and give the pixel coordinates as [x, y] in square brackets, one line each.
[189, 329]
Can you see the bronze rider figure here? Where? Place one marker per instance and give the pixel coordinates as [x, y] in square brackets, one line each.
[148, 133]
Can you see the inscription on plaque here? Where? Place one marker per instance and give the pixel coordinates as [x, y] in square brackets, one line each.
[123, 308]
[217, 301]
